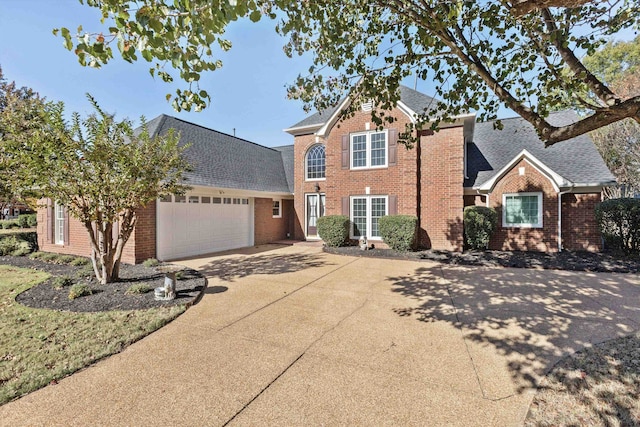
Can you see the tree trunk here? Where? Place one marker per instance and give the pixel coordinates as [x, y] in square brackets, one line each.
[105, 255]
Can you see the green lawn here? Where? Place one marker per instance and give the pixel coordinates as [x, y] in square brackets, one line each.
[17, 230]
[38, 346]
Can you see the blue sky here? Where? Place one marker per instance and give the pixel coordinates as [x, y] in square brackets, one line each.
[248, 93]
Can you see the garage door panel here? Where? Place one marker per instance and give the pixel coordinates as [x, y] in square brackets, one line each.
[187, 229]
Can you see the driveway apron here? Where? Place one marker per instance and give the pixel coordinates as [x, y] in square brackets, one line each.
[294, 336]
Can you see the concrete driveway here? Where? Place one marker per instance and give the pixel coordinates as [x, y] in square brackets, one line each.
[294, 336]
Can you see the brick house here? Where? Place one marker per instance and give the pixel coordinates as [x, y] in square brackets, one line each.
[242, 195]
[545, 196]
[245, 194]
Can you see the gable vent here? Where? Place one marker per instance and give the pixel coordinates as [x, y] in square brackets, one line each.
[367, 106]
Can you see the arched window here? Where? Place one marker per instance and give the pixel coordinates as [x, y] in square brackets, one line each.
[316, 162]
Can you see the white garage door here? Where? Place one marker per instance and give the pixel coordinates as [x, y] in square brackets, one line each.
[194, 225]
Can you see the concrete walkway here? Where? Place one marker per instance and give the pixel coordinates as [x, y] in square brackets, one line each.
[293, 336]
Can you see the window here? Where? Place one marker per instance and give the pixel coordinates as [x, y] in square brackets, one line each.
[245, 201]
[166, 198]
[522, 210]
[194, 199]
[365, 215]
[181, 199]
[369, 150]
[205, 199]
[216, 200]
[58, 230]
[277, 211]
[227, 200]
[316, 162]
[236, 201]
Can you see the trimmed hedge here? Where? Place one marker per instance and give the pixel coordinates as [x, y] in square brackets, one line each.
[399, 231]
[8, 224]
[619, 223]
[479, 224]
[333, 229]
[27, 220]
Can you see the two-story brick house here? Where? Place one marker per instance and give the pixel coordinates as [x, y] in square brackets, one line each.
[545, 196]
[245, 194]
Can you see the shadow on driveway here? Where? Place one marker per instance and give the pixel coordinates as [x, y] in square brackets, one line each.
[232, 268]
[533, 318]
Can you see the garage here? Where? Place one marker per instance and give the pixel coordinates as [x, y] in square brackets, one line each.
[196, 224]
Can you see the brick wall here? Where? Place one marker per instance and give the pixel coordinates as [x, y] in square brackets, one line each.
[537, 239]
[442, 179]
[579, 227]
[399, 180]
[140, 246]
[267, 228]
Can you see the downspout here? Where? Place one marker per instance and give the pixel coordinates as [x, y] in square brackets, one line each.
[560, 193]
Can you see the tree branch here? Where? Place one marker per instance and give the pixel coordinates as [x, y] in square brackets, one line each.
[523, 7]
[578, 68]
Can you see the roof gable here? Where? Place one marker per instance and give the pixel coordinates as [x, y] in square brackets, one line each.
[576, 160]
[411, 103]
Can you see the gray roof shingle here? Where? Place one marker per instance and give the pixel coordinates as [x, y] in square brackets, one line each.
[417, 101]
[221, 160]
[576, 159]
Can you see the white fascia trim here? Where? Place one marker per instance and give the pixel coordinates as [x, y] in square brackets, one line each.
[407, 111]
[557, 180]
[324, 130]
[303, 129]
[230, 192]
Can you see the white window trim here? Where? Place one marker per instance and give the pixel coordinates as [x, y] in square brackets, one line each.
[58, 224]
[524, 225]
[279, 207]
[306, 165]
[368, 151]
[368, 198]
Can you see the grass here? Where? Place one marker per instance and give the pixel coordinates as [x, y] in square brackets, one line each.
[598, 386]
[39, 346]
[17, 230]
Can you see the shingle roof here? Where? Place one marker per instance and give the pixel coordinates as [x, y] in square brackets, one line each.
[417, 101]
[221, 160]
[576, 159]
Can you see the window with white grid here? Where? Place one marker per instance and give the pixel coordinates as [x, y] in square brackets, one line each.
[365, 214]
[522, 210]
[369, 150]
[316, 162]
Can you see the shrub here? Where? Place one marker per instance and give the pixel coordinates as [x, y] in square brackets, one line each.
[37, 255]
[399, 231]
[479, 224]
[27, 220]
[80, 261]
[64, 259]
[85, 272]
[9, 224]
[619, 223]
[138, 289]
[333, 229]
[9, 245]
[61, 282]
[151, 262]
[79, 290]
[48, 256]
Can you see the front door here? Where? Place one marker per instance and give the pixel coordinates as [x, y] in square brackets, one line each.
[315, 209]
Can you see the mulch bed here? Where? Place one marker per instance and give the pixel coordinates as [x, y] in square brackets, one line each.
[566, 260]
[189, 287]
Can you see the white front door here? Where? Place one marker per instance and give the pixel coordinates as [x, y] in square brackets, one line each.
[315, 210]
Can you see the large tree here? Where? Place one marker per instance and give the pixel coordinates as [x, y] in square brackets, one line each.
[480, 54]
[98, 168]
[619, 143]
